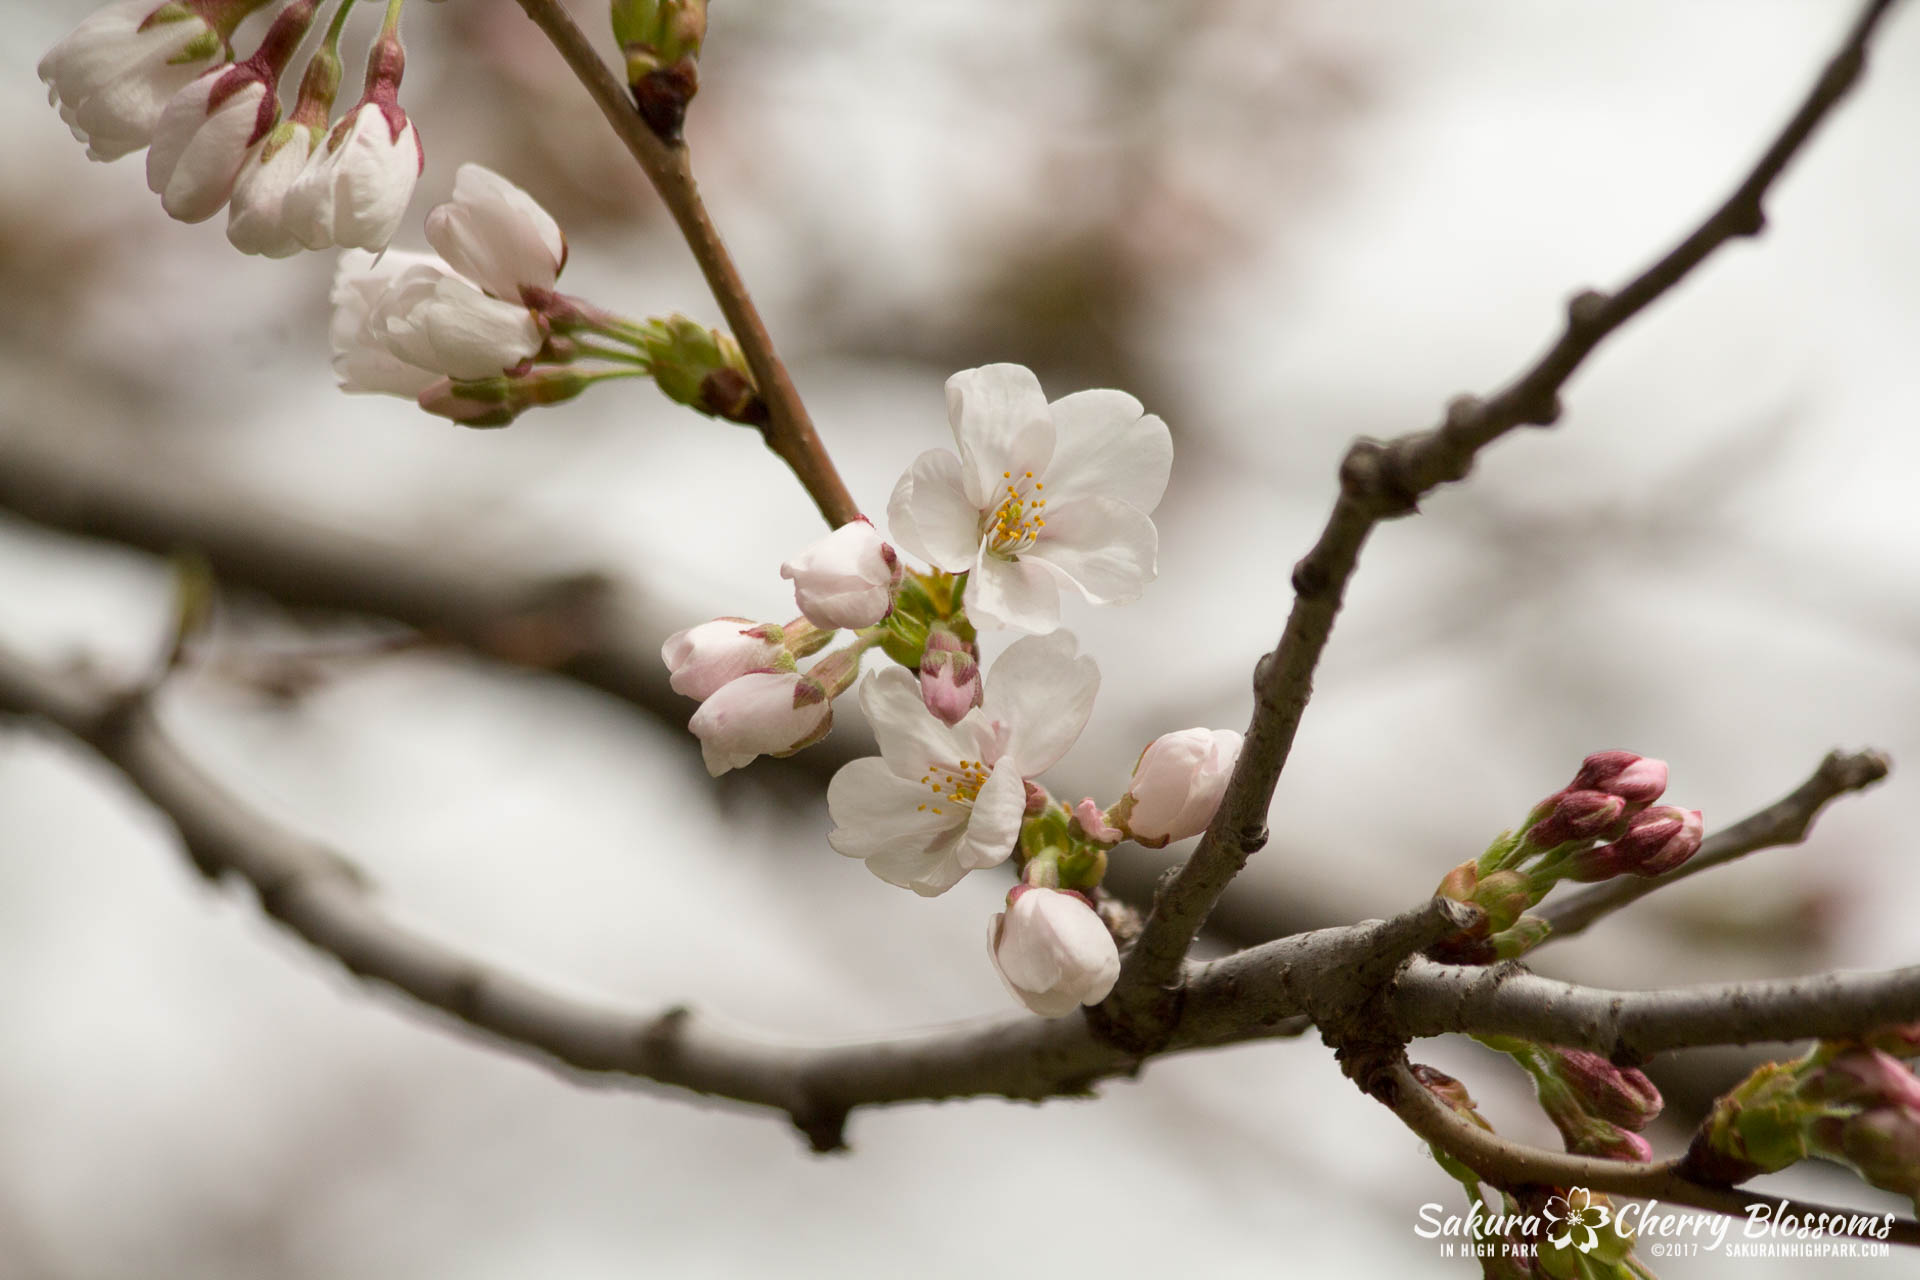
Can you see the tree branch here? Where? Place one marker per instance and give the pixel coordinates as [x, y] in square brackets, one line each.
[1786, 821]
[1383, 481]
[1432, 999]
[1509, 1164]
[789, 431]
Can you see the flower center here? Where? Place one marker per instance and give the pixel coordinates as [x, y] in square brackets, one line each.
[1016, 523]
[956, 784]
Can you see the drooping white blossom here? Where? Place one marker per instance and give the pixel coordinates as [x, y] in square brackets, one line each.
[1039, 496]
[113, 74]
[203, 137]
[942, 800]
[1178, 784]
[1053, 951]
[356, 188]
[846, 579]
[762, 713]
[497, 235]
[404, 322]
[254, 221]
[703, 658]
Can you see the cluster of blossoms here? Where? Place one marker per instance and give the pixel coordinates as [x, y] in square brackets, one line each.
[139, 74]
[1602, 824]
[1855, 1102]
[1038, 497]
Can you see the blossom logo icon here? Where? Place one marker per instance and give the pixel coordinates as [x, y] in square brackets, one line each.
[1577, 1220]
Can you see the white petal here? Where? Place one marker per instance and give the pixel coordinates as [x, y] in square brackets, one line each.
[876, 812]
[930, 515]
[1104, 446]
[1001, 423]
[497, 235]
[201, 179]
[929, 873]
[1044, 694]
[994, 825]
[1020, 594]
[911, 737]
[1107, 549]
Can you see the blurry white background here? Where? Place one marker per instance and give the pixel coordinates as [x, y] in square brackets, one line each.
[1281, 225]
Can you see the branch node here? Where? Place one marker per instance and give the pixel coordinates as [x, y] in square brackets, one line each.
[1587, 312]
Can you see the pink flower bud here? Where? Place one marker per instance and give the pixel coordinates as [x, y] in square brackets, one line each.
[705, 657]
[847, 578]
[1178, 784]
[1052, 950]
[763, 713]
[1634, 778]
[1883, 1144]
[1094, 823]
[950, 680]
[1656, 841]
[1577, 815]
[497, 235]
[1619, 1095]
[1865, 1078]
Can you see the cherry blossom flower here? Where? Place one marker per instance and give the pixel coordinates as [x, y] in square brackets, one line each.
[356, 188]
[202, 138]
[942, 800]
[113, 74]
[498, 236]
[1040, 495]
[254, 222]
[846, 579]
[703, 658]
[1052, 950]
[405, 321]
[1178, 783]
[763, 713]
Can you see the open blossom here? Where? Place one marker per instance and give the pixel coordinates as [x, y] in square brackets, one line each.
[402, 323]
[703, 658]
[1052, 950]
[763, 713]
[497, 236]
[846, 579]
[1039, 496]
[1178, 784]
[942, 800]
[202, 139]
[114, 73]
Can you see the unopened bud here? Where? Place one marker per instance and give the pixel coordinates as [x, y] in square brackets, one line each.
[1619, 1095]
[1577, 815]
[1177, 785]
[660, 40]
[1525, 934]
[847, 578]
[1634, 778]
[950, 682]
[1094, 824]
[1504, 895]
[1656, 841]
[701, 368]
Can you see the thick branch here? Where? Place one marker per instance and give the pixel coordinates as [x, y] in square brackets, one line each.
[1508, 1164]
[789, 431]
[1631, 1026]
[1786, 821]
[1384, 481]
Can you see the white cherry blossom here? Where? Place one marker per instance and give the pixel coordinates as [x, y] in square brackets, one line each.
[703, 658]
[763, 713]
[497, 235]
[356, 188]
[1053, 951]
[1039, 496]
[942, 800]
[203, 137]
[114, 73]
[845, 579]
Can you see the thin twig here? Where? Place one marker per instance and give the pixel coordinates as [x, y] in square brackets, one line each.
[789, 431]
[1510, 1165]
[1385, 481]
[1784, 822]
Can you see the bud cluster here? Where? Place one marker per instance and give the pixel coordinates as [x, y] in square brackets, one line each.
[143, 74]
[1600, 825]
[1598, 1108]
[1847, 1102]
